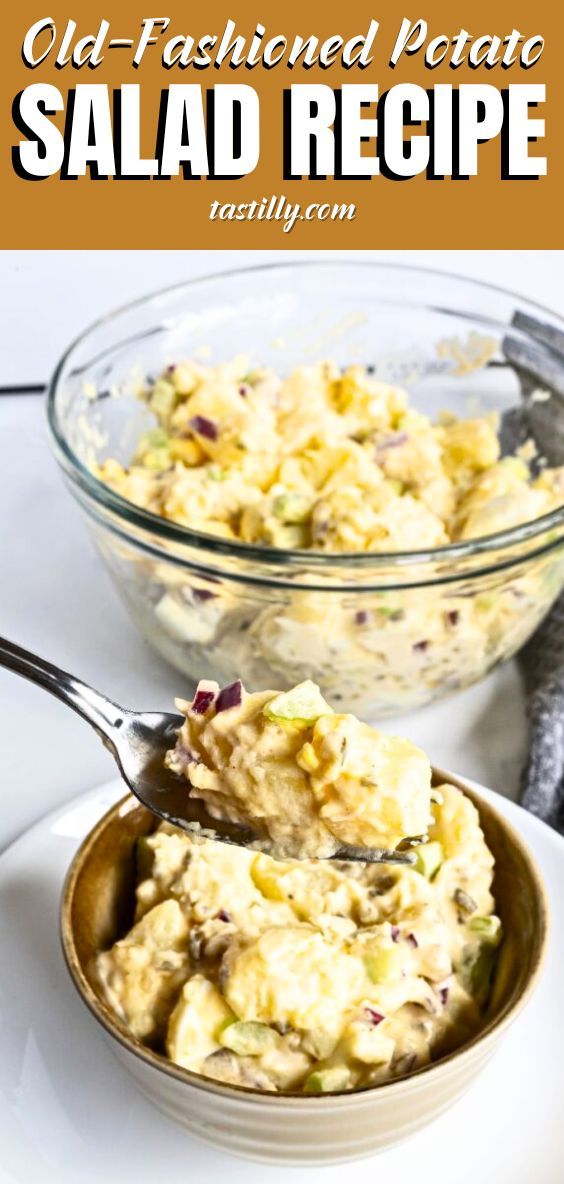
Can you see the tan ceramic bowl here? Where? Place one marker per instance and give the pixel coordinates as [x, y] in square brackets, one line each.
[97, 908]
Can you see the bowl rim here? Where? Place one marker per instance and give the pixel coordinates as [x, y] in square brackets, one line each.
[145, 520]
[485, 1038]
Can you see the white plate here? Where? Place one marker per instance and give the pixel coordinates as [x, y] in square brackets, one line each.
[70, 1114]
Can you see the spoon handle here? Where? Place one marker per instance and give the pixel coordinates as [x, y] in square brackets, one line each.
[98, 711]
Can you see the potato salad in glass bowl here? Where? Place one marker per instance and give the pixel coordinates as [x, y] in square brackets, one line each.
[339, 472]
[305, 975]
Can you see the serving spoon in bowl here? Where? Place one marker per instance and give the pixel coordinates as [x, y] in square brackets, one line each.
[138, 742]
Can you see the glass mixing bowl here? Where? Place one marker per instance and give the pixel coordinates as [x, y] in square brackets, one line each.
[380, 633]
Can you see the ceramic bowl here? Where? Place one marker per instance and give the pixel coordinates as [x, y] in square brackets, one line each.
[97, 908]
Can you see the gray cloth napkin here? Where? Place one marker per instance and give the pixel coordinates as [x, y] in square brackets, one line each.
[542, 666]
[537, 357]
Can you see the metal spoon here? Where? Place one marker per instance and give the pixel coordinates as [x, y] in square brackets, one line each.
[138, 742]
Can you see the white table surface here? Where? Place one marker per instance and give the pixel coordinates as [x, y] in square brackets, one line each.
[54, 594]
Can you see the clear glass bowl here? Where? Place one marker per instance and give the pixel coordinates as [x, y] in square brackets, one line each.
[381, 633]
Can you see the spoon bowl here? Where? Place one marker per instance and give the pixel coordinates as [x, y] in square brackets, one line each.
[139, 745]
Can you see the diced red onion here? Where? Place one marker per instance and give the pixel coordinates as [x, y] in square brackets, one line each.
[443, 995]
[223, 915]
[203, 427]
[203, 594]
[361, 617]
[202, 700]
[374, 1017]
[395, 934]
[453, 617]
[230, 696]
[421, 646]
[411, 938]
[243, 390]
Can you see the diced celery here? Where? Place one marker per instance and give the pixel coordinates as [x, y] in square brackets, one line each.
[429, 857]
[291, 507]
[319, 1043]
[387, 610]
[216, 473]
[153, 450]
[325, 1081]
[247, 1039]
[384, 963]
[156, 438]
[162, 397]
[304, 703]
[488, 928]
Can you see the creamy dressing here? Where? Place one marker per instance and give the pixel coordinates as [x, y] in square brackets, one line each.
[331, 461]
[304, 975]
[325, 459]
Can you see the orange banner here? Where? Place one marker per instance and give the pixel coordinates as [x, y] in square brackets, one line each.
[228, 126]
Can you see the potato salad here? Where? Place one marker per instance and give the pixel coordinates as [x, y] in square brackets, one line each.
[325, 459]
[303, 975]
[303, 777]
[332, 463]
